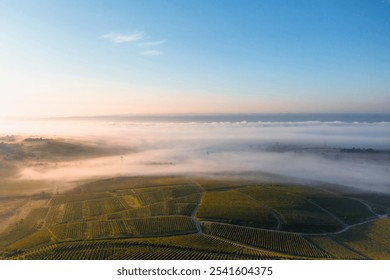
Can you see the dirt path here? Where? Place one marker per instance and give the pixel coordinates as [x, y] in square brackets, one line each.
[274, 213]
[245, 246]
[198, 201]
[327, 212]
[347, 227]
[366, 204]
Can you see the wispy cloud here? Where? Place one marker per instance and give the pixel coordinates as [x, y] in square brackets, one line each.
[151, 43]
[124, 38]
[151, 53]
[140, 40]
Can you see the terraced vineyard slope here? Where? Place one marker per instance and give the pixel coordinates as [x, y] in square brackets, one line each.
[195, 218]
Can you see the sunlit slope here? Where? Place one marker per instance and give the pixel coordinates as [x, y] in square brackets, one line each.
[180, 218]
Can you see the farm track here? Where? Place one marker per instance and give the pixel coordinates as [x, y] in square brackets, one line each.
[275, 213]
[367, 205]
[199, 199]
[44, 225]
[327, 212]
[347, 227]
[278, 254]
[264, 235]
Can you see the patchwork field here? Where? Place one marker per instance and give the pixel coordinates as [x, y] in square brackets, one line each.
[194, 218]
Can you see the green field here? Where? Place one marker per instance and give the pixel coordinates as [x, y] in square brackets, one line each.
[194, 218]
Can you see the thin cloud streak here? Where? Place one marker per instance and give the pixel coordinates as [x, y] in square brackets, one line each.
[151, 43]
[124, 38]
[151, 53]
[146, 48]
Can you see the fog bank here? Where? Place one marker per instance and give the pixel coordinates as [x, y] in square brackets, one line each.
[352, 154]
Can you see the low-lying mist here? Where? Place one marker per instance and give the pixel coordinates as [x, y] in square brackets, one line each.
[352, 154]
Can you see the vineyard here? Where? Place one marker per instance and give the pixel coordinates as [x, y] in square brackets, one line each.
[335, 249]
[64, 198]
[39, 238]
[164, 225]
[296, 212]
[193, 246]
[183, 218]
[378, 202]
[348, 210]
[242, 210]
[25, 227]
[370, 239]
[220, 185]
[283, 242]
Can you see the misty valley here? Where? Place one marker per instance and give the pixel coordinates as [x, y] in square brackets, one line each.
[117, 190]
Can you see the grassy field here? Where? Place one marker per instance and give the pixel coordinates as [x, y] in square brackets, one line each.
[176, 217]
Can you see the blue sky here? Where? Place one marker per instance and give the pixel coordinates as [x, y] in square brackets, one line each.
[124, 57]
